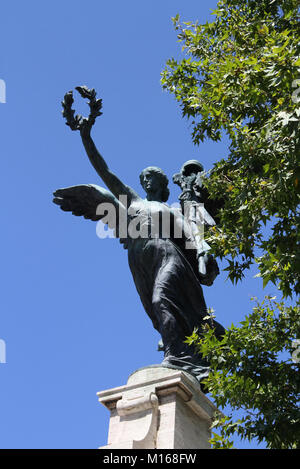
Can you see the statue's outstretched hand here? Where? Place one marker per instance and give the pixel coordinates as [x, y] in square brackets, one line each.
[78, 122]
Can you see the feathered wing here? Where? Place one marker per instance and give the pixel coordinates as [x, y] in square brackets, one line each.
[85, 200]
[198, 220]
[202, 216]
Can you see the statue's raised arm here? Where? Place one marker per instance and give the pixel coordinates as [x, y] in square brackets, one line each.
[84, 125]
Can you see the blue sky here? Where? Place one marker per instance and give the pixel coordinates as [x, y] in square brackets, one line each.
[71, 319]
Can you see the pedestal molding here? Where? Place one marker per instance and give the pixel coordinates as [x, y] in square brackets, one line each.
[158, 408]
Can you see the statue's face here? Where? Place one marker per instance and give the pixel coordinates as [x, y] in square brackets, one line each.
[150, 181]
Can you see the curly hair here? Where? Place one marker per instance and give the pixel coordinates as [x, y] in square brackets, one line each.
[163, 180]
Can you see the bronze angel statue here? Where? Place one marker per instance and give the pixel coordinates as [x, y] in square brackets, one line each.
[167, 261]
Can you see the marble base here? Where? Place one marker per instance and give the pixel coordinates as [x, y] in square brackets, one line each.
[158, 408]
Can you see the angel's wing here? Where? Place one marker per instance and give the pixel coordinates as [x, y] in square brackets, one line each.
[93, 203]
[198, 219]
[198, 214]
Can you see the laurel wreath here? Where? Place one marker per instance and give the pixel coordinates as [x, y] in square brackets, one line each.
[75, 121]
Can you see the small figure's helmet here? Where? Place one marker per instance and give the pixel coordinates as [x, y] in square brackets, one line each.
[191, 166]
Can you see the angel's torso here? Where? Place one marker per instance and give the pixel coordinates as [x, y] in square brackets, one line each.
[155, 220]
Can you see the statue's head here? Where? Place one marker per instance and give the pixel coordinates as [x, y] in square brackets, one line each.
[191, 167]
[154, 181]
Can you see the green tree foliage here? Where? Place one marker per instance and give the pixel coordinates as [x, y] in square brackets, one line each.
[256, 368]
[240, 77]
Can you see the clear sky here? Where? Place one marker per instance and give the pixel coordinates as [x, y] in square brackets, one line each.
[70, 317]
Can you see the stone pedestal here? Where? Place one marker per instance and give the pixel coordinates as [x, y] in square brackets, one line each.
[158, 408]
